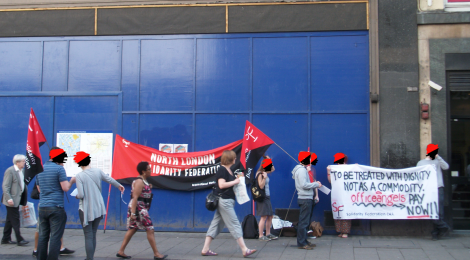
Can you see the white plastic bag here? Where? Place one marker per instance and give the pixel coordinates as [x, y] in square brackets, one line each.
[240, 192]
[27, 215]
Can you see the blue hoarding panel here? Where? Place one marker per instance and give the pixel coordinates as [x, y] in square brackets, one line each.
[340, 73]
[130, 75]
[14, 120]
[223, 84]
[20, 66]
[167, 75]
[301, 89]
[95, 66]
[54, 76]
[338, 133]
[291, 133]
[280, 74]
[165, 128]
[212, 131]
[176, 129]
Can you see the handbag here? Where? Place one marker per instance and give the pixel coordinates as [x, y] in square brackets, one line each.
[35, 193]
[258, 193]
[212, 199]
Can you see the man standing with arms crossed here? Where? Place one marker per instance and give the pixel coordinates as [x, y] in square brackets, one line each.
[440, 227]
[52, 183]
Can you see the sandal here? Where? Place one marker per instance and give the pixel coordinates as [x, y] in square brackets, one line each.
[123, 256]
[344, 236]
[249, 252]
[159, 258]
[209, 253]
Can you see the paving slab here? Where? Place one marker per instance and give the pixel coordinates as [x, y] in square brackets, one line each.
[183, 245]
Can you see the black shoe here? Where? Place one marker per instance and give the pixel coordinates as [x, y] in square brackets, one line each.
[434, 237]
[443, 232]
[35, 253]
[159, 258]
[8, 242]
[23, 242]
[66, 251]
[122, 256]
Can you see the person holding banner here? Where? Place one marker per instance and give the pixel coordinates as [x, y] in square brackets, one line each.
[225, 213]
[440, 226]
[343, 226]
[138, 212]
[305, 198]
[264, 208]
[91, 208]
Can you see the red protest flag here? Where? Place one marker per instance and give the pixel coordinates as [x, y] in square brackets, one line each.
[255, 144]
[36, 138]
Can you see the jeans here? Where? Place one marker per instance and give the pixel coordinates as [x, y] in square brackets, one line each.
[90, 235]
[305, 211]
[439, 223]
[51, 225]
[12, 221]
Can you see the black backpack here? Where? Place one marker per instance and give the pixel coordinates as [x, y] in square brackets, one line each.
[250, 227]
[257, 193]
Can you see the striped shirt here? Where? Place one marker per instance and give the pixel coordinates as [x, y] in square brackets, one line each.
[49, 181]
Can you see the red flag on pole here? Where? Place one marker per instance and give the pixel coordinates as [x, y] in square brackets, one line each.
[255, 144]
[36, 138]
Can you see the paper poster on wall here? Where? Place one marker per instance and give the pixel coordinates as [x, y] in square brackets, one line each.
[98, 144]
[166, 148]
[180, 148]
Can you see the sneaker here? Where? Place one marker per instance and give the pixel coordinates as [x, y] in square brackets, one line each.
[66, 251]
[272, 237]
[264, 238]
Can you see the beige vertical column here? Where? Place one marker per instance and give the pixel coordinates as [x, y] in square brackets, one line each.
[424, 91]
[374, 82]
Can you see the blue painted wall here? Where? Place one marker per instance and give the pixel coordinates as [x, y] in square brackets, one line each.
[302, 89]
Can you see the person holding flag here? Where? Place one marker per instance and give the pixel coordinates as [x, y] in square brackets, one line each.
[91, 208]
[264, 207]
[305, 198]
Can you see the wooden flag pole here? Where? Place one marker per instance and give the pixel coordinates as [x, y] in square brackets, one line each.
[107, 207]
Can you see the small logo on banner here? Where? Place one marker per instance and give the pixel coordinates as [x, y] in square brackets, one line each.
[126, 144]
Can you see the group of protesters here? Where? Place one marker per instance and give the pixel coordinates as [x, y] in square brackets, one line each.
[53, 182]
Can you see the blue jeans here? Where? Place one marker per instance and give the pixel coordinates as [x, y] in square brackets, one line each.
[90, 235]
[51, 225]
[304, 218]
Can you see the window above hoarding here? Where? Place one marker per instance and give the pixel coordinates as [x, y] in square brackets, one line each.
[457, 5]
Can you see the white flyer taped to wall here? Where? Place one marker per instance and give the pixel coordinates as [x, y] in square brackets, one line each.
[98, 144]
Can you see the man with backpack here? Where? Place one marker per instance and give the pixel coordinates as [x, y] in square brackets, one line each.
[305, 198]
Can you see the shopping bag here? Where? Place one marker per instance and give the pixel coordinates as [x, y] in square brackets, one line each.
[240, 192]
[27, 215]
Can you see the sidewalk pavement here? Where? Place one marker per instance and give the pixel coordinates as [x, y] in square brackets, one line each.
[189, 245]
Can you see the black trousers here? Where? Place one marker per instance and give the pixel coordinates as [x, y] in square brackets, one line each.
[12, 221]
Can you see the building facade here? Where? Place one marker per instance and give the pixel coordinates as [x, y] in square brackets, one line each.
[332, 76]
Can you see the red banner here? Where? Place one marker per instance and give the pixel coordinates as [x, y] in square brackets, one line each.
[176, 171]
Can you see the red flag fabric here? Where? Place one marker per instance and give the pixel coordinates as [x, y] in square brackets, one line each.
[253, 139]
[35, 139]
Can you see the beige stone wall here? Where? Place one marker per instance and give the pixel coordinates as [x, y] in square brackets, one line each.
[13, 4]
[426, 32]
[431, 5]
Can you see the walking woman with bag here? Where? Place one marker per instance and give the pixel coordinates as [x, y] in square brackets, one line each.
[264, 207]
[91, 208]
[138, 212]
[343, 226]
[225, 213]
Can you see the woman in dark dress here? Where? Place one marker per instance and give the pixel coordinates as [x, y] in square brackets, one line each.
[137, 215]
[225, 213]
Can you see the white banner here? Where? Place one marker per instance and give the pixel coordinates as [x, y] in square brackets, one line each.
[364, 192]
